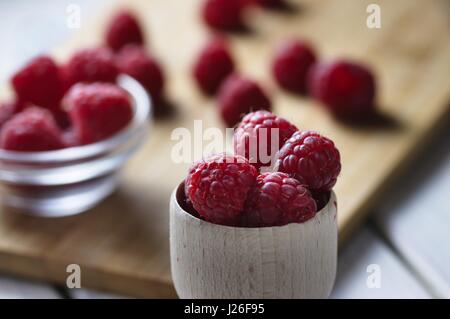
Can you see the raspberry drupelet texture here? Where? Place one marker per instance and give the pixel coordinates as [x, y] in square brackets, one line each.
[254, 134]
[291, 64]
[218, 186]
[136, 62]
[224, 15]
[123, 29]
[238, 96]
[39, 82]
[97, 110]
[31, 130]
[213, 65]
[276, 200]
[311, 158]
[347, 89]
[90, 65]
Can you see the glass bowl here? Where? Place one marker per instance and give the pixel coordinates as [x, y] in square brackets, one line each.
[72, 180]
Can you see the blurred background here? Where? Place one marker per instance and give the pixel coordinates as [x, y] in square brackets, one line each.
[401, 251]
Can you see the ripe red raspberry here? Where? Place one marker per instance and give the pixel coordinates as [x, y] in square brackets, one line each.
[238, 96]
[213, 65]
[293, 59]
[123, 29]
[253, 128]
[218, 187]
[277, 200]
[345, 88]
[31, 130]
[39, 82]
[90, 65]
[8, 109]
[69, 138]
[311, 158]
[224, 15]
[97, 110]
[136, 62]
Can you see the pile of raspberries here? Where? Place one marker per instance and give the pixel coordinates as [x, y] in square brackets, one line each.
[230, 189]
[78, 102]
[345, 88]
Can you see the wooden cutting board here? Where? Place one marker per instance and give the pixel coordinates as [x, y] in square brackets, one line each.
[122, 244]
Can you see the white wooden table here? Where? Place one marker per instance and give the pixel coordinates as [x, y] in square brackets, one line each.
[405, 242]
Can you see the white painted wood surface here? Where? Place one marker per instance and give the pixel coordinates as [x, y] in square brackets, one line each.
[81, 293]
[363, 250]
[214, 261]
[14, 288]
[415, 217]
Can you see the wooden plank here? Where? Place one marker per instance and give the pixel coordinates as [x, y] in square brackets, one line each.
[416, 216]
[13, 288]
[122, 244]
[365, 249]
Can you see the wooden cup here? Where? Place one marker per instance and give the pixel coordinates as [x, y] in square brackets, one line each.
[214, 261]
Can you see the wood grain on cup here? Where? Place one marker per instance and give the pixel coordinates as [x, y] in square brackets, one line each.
[291, 261]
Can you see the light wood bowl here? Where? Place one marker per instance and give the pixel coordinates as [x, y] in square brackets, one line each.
[214, 261]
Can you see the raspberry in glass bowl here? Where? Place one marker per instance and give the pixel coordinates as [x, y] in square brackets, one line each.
[71, 180]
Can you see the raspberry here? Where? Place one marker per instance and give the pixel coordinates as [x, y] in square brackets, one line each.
[8, 109]
[123, 29]
[213, 65]
[291, 64]
[251, 129]
[276, 200]
[311, 158]
[39, 83]
[217, 187]
[90, 65]
[69, 138]
[66, 80]
[238, 96]
[134, 61]
[345, 88]
[31, 130]
[224, 15]
[97, 110]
